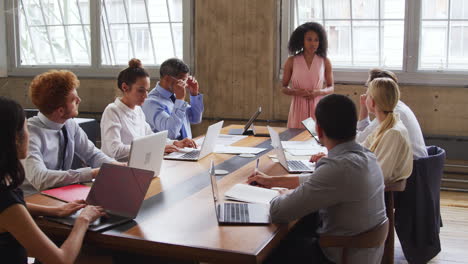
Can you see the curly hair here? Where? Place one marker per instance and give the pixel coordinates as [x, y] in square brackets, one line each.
[12, 120]
[296, 41]
[130, 75]
[48, 91]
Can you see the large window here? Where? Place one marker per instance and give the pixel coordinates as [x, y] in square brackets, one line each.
[96, 37]
[421, 39]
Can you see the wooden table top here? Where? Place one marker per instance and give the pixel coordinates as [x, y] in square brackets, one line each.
[177, 218]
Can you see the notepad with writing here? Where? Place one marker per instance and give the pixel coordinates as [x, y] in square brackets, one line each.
[250, 194]
[69, 193]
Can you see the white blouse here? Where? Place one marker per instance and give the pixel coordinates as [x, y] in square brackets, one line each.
[119, 126]
[394, 152]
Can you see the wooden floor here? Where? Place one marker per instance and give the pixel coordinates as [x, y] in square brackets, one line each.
[454, 234]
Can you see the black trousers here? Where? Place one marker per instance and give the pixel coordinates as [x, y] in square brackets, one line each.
[301, 244]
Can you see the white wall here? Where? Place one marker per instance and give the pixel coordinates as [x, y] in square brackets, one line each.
[3, 44]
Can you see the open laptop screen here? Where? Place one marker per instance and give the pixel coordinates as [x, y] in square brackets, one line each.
[120, 190]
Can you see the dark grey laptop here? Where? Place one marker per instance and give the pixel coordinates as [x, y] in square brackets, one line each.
[120, 191]
[238, 213]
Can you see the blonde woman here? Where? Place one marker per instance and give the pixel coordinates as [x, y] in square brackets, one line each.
[390, 141]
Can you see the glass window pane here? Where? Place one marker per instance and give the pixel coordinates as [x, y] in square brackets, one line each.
[137, 11]
[40, 40]
[432, 9]
[79, 44]
[433, 53]
[459, 9]
[27, 52]
[366, 43]
[75, 12]
[60, 49]
[121, 42]
[115, 11]
[163, 42]
[392, 44]
[365, 9]
[178, 39]
[393, 9]
[306, 11]
[142, 43]
[158, 11]
[339, 42]
[175, 8]
[458, 52]
[337, 9]
[51, 11]
[33, 12]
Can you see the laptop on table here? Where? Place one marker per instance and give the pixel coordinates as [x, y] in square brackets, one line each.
[309, 124]
[249, 128]
[207, 146]
[292, 166]
[237, 213]
[120, 190]
[147, 152]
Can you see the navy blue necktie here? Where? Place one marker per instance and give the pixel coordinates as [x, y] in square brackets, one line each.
[65, 143]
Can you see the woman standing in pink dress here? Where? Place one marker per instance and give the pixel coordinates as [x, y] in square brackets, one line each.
[307, 69]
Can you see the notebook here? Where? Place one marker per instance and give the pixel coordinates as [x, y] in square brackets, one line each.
[250, 194]
[69, 193]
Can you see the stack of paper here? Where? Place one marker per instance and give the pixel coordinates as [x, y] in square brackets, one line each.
[223, 139]
[250, 194]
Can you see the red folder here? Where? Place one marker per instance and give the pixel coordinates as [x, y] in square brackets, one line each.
[69, 193]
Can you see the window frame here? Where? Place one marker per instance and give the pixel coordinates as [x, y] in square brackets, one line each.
[96, 69]
[409, 74]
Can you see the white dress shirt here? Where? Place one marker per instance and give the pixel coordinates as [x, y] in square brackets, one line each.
[366, 127]
[119, 126]
[394, 152]
[44, 164]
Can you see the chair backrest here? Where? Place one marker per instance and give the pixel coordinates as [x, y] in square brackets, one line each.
[369, 239]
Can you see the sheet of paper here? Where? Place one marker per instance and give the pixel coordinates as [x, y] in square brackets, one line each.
[298, 144]
[223, 139]
[250, 194]
[237, 150]
[307, 152]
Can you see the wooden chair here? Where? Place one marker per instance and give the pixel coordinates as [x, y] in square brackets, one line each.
[389, 251]
[368, 239]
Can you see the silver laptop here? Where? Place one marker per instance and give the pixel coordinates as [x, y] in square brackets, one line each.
[237, 213]
[293, 166]
[147, 152]
[207, 146]
[309, 124]
[120, 190]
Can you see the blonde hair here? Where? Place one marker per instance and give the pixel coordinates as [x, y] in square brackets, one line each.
[385, 93]
[381, 73]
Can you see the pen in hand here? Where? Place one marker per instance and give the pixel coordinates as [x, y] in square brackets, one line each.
[254, 183]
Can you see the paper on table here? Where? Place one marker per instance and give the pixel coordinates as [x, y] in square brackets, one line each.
[307, 152]
[237, 150]
[222, 139]
[298, 144]
[250, 194]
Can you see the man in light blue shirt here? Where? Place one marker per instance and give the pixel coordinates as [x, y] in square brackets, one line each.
[166, 108]
[346, 192]
[55, 137]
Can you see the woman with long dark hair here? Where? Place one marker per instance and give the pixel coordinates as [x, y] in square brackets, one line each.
[19, 234]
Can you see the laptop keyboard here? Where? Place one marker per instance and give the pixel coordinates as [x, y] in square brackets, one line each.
[296, 165]
[191, 155]
[236, 213]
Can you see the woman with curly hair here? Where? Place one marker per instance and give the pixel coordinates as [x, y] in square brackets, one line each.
[306, 69]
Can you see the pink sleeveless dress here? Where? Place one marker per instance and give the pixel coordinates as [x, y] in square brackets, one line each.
[309, 79]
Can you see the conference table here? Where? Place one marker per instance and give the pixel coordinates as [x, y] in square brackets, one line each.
[177, 219]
